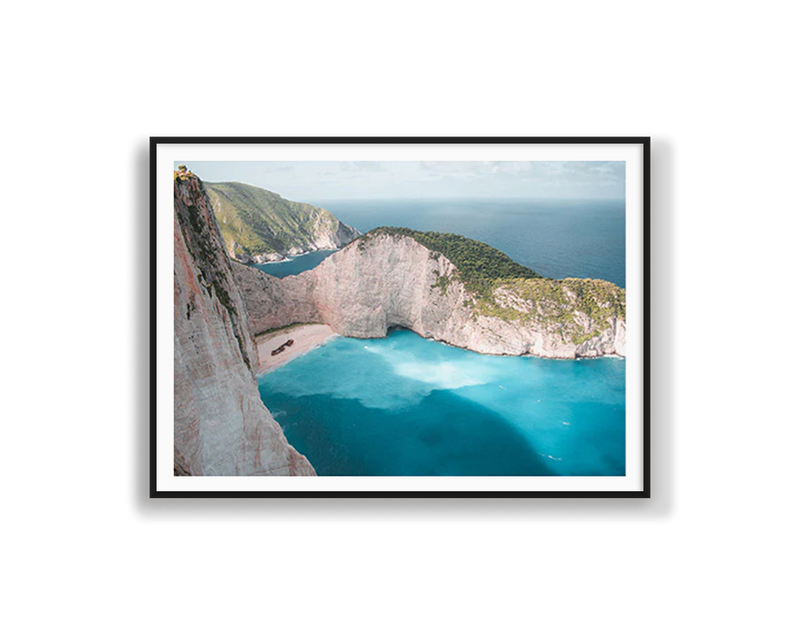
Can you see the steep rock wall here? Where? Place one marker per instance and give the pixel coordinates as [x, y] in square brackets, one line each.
[389, 281]
[260, 226]
[221, 425]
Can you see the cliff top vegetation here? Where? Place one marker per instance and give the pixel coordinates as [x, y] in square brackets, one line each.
[491, 276]
[182, 173]
[479, 265]
[259, 221]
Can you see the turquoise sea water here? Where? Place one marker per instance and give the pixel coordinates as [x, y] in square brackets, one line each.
[295, 265]
[404, 405]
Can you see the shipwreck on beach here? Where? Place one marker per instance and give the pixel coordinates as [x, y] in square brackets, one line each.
[280, 349]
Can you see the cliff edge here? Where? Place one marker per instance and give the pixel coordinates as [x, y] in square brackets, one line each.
[259, 226]
[221, 425]
[389, 278]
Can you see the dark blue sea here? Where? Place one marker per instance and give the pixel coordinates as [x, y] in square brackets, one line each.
[404, 405]
[556, 238]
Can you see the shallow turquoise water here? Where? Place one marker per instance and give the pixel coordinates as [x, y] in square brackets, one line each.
[404, 405]
[408, 406]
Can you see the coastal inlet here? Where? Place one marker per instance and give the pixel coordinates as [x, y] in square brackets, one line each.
[407, 406]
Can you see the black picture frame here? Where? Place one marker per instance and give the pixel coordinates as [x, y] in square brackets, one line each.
[645, 178]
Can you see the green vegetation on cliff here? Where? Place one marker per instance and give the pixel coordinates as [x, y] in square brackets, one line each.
[479, 265]
[577, 308]
[561, 305]
[260, 221]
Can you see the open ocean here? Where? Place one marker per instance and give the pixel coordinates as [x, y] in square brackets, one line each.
[404, 405]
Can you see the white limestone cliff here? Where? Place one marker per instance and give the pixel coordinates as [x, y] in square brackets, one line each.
[221, 425]
[394, 281]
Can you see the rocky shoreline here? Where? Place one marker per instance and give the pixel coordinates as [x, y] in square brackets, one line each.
[394, 281]
[270, 258]
[259, 226]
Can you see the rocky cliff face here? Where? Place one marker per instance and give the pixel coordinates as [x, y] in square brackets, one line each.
[259, 226]
[221, 425]
[393, 280]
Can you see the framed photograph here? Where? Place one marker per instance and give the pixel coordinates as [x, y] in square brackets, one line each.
[400, 317]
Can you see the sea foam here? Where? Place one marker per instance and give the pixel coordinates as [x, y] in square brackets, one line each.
[404, 405]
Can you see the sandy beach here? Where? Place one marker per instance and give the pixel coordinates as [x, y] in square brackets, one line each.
[305, 336]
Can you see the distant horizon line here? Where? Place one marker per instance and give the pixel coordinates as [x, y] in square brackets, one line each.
[368, 198]
[419, 198]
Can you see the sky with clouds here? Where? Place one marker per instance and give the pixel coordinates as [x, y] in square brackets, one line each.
[310, 180]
